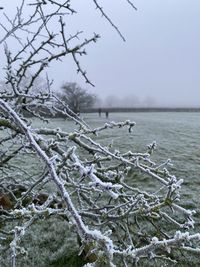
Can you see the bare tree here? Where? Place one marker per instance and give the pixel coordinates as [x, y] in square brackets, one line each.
[43, 175]
[76, 97]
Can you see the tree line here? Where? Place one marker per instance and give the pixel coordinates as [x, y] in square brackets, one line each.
[70, 93]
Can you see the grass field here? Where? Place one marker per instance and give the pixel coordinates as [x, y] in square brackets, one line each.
[50, 242]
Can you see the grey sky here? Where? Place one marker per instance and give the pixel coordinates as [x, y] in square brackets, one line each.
[160, 58]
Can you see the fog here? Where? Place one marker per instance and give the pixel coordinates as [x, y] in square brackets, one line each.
[127, 101]
[157, 65]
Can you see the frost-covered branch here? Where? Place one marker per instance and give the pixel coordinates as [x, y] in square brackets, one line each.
[72, 176]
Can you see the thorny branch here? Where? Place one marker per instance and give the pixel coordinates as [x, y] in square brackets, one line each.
[47, 172]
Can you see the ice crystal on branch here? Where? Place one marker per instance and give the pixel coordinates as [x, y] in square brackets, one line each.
[70, 176]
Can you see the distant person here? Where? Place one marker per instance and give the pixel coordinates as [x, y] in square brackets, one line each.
[99, 110]
[107, 114]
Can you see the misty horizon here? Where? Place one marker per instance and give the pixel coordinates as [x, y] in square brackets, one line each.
[158, 64]
[132, 101]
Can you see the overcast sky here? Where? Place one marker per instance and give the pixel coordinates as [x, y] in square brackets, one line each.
[160, 58]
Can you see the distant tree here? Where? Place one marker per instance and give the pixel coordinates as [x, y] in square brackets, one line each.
[112, 101]
[76, 97]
